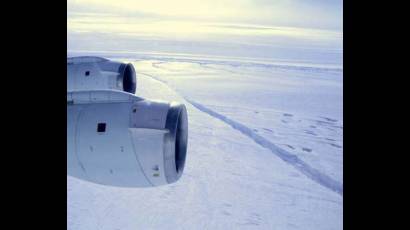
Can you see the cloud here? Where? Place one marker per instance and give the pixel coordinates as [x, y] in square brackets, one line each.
[292, 13]
[278, 29]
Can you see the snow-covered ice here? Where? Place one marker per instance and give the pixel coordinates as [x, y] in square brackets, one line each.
[265, 149]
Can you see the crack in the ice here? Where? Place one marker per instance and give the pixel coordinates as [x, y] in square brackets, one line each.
[286, 156]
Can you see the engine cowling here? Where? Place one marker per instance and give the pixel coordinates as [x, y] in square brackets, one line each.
[93, 73]
[118, 139]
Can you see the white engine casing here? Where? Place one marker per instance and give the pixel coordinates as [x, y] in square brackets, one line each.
[94, 73]
[118, 139]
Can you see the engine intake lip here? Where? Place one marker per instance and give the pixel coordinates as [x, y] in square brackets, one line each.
[176, 142]
[128, 78]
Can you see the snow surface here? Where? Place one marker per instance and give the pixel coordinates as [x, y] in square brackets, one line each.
[265, 149]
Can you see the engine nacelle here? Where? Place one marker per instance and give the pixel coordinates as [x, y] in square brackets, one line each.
[93, 73]
[116, 138]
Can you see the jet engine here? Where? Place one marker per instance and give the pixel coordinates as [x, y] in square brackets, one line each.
[92, 73]
[116, 138]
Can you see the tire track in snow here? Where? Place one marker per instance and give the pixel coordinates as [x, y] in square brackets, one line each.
[284, 155]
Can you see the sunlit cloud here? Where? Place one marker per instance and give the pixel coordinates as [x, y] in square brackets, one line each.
[260, 28]
[324, 14]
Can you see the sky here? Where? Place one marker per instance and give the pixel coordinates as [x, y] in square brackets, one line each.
[280, 27]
